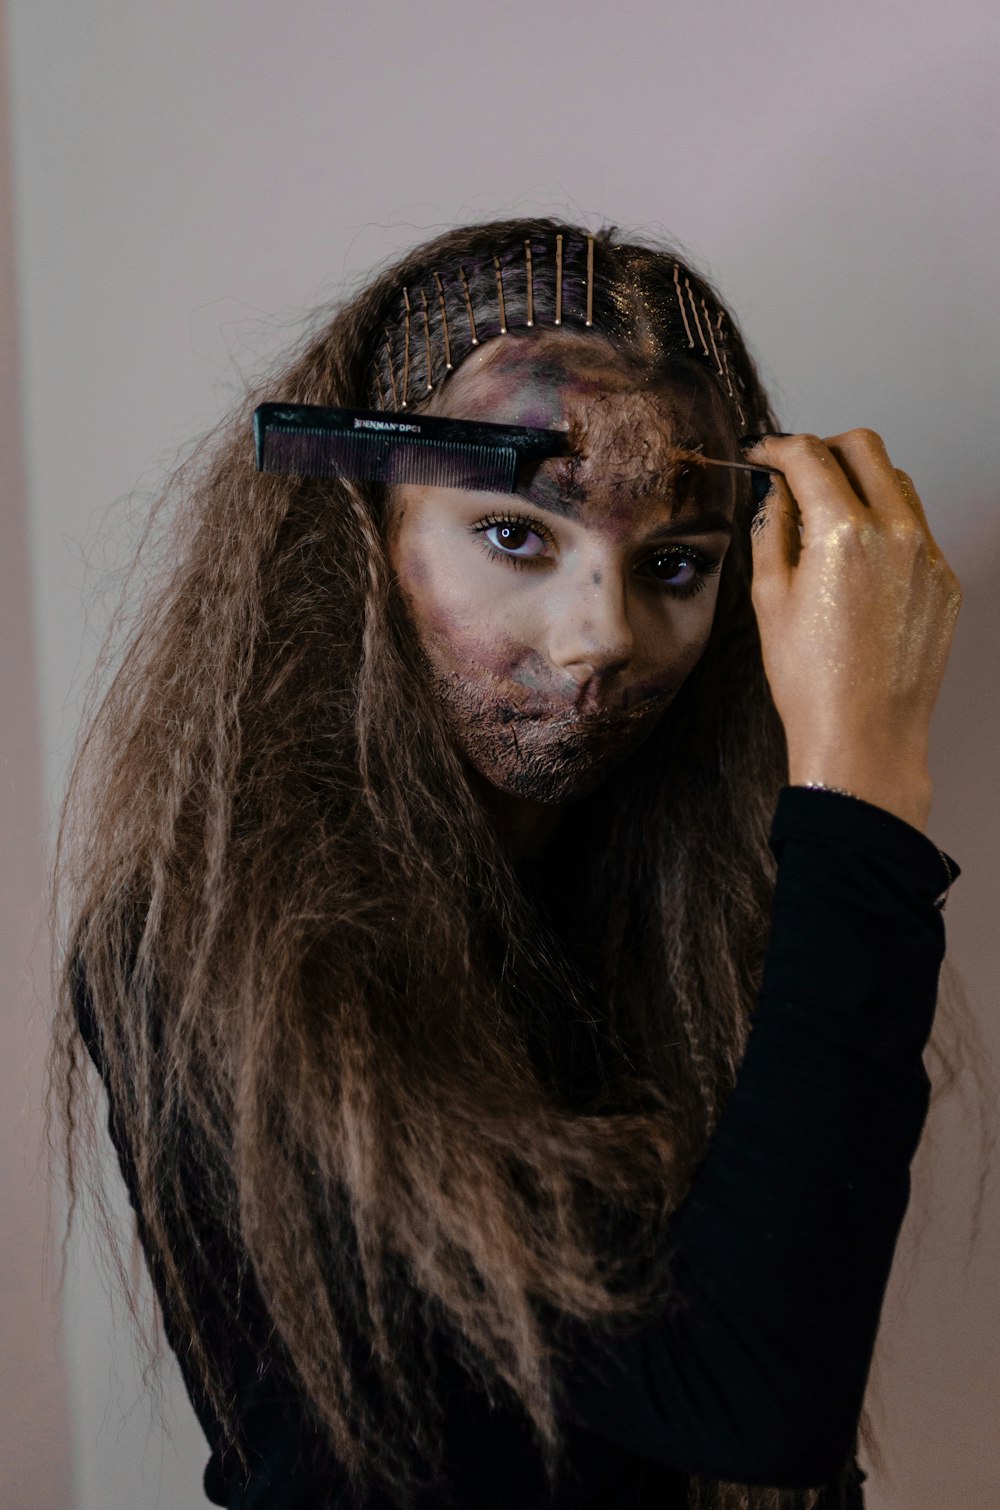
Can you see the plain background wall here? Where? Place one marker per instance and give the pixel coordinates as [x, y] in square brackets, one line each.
[35, 1459]
[189, 178]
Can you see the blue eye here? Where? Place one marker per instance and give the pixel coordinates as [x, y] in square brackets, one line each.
[508, 526]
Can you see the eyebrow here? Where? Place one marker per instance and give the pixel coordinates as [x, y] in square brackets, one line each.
[708, 522]
[705, 522]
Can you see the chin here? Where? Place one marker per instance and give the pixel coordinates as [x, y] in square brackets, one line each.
[560, 775]
[552, 790]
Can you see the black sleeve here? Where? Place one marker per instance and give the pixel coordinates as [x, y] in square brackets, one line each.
[782, 1250]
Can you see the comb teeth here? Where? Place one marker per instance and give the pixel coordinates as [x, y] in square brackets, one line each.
[451, 464]
[372, 457]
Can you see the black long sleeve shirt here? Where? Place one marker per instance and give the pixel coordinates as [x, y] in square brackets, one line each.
[780, 1253]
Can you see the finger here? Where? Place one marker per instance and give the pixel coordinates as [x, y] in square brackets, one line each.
[912, 496]
[817, 482]
[776, 534]
[865, 462]
[887, 489]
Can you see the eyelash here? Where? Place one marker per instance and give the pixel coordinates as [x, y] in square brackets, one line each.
[707, 566]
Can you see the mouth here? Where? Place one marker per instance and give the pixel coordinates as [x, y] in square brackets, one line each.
[583, 718]
[633, 701]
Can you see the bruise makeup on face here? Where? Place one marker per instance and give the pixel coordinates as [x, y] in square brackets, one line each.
[551, 671]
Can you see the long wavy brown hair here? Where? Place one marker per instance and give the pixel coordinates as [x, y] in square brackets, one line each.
[330, 1006]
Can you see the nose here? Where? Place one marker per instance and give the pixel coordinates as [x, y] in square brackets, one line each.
[590, 636]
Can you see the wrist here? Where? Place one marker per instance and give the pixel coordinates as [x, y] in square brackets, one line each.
[908, 796]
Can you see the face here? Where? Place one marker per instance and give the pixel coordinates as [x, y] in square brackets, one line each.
[558, 623]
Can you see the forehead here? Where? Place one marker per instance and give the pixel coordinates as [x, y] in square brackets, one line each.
[537, 378]
[625, 422]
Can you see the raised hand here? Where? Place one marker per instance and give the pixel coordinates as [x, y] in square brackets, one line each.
[856, 608]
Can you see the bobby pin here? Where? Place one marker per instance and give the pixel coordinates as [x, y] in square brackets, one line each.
[444, 323]
[427, 340]
[590, 280]
[503, 312]
[531, 285]
[694, 313]
[468, 305]
[558, 280]
[715, 349]
[724, 364]
[406, 348]
[392, 375]
[680, 304]
[722, 371]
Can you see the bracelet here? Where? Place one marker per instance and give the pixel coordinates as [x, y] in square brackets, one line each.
[819, 787]
[942, 901]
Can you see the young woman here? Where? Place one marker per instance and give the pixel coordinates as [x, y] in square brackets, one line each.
[504, 924]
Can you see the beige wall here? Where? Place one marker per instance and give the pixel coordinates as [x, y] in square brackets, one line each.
[35, 1443]
[188, 178]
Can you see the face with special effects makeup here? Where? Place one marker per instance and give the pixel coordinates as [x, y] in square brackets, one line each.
[558, 623]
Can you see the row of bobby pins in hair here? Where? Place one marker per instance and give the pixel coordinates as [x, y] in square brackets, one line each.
[701, 325]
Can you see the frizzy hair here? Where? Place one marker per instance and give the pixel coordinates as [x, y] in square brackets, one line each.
[310, 971]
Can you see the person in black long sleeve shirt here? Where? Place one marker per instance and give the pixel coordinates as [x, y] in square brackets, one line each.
[423, 928]
[783, 1248]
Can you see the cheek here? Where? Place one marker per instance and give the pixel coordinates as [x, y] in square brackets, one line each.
[673, 634]
[457, 624]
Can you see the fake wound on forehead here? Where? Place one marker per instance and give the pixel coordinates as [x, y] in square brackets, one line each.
[679, 480]
[632, 439]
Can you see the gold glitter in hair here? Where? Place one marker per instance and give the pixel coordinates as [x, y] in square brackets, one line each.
[406, 348]
[558, 280]
[590, 280]
[680, 303]
[468, 305]
[392, 375]
[427, 340]
[444, 322]
[531, 283]
[503, 312]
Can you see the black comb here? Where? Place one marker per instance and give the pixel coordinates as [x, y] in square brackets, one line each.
[312, 440]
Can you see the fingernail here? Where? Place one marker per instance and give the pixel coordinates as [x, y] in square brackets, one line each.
[750, 442]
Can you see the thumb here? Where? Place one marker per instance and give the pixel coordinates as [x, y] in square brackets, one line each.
[774, 539]
[775, 532]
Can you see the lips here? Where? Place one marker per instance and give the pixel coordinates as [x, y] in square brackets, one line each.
[583, 719]
[581, 710]
[637, 705]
